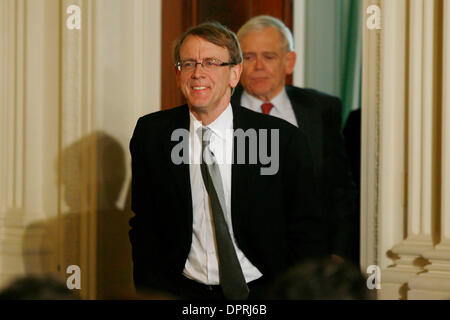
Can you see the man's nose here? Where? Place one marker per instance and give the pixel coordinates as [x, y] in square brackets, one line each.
[259, 63]
[198, 71]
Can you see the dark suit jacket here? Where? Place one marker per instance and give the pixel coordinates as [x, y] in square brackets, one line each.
[319, 117]
[274, 217]
[352, 135]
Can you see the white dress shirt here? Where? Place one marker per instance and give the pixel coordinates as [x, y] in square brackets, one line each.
[282, 107]
[202, 264]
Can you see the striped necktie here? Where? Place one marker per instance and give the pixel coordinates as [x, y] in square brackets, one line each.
[232, 279]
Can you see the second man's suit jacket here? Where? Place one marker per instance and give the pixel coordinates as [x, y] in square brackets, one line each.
[274, 217]
[319, 116]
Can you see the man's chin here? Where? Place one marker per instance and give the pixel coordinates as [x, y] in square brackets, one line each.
[198, 103]
[259, 93]
[198, 106]
[257, 87]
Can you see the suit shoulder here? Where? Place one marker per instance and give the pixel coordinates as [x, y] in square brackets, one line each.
[261, 121]
[314, 97]
[162, 114]
[310, 92]
[161, 119]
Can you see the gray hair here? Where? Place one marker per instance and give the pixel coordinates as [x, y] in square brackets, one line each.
[259, 23]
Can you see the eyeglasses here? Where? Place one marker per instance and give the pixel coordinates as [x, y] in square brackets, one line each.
[209, 64]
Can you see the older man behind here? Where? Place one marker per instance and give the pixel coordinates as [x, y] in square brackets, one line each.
[268, 53]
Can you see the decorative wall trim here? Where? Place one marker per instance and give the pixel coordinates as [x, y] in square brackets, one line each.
[404, 178]
[434, 282]
[78, 120]
[12, 101]
[58, 121]
[370, 140]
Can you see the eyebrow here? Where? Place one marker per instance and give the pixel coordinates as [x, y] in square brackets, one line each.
[264, 52]
[192, 59]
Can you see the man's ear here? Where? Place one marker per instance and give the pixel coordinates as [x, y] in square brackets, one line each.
[177, 75]
[235, 75]
[289, 64]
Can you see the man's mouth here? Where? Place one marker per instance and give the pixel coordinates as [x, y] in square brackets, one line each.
[259, 79]
[199, 88]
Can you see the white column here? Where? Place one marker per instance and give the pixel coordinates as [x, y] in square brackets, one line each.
[77, 218]
[445, 194]
[28, 149]
[419, 156]
[414, 217]
[392, 145]
[41, 79]
[128, 78]
[417, 146]
[435, 283]
[370, 143]
[61, 93]
[420, 137]
[12, 43]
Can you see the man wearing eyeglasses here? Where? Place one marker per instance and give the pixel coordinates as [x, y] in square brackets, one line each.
[208, 228]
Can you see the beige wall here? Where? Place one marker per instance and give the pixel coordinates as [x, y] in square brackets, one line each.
[405, 149]
[69, 102]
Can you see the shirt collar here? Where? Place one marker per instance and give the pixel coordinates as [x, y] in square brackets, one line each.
[219, 126]
[280, 101]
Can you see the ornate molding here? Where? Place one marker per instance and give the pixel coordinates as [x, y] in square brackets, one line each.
[370, 144]
[12, 89]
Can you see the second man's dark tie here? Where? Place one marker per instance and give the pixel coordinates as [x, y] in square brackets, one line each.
[231, 277]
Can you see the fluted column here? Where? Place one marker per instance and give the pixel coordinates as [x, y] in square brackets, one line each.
[392, 146]
[420, 111]
[419, 185]
[12, 44]
[435, 283]
[77, 160]
[69, 101]
[370, 139]
[28, 148]
[407, 254]
[409, 71]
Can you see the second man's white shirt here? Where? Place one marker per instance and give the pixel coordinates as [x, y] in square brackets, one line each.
[282, 107]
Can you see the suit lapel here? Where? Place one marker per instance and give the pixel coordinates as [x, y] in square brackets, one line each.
[236, 97]
[180, 173]
[241, 177]
[309, 120]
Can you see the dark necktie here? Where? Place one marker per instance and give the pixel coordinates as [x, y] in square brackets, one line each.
[231, 277]
[266, 107]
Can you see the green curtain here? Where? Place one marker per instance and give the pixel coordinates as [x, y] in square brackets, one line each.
[351, 13]
[333, 49]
